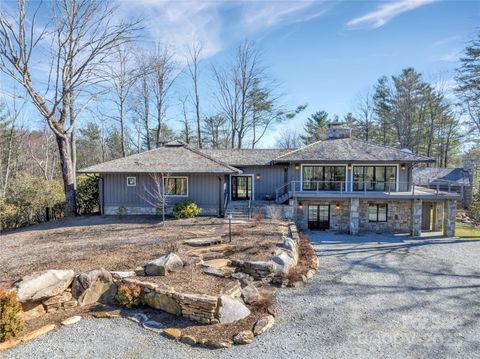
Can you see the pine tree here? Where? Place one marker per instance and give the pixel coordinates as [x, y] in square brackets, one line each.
[316, 127]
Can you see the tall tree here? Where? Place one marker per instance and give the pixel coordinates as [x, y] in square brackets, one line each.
[316, 127]
[215, 134]
[83, 37]
[194, 72]
[468, 80]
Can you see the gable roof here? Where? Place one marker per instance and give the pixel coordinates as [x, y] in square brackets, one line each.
[432, 175]
[349, 150]
[173, 158]
[245, 157]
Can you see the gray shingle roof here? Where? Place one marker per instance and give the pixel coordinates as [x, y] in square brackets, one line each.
[170, 159]
[349, 150]
[245, 157]
[425, 175]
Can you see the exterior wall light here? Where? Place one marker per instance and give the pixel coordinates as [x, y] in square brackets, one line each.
[337, 206]
[300, 205]
[403, 167]
[349, 166]
[297, 166]
[258, 176]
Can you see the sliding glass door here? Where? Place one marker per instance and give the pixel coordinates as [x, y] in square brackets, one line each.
[374, 178]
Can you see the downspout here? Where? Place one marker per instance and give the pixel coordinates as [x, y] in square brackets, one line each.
[220, 191]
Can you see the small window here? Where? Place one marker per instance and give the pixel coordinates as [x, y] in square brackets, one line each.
[176, 186]
[377, 212]
[131, 181]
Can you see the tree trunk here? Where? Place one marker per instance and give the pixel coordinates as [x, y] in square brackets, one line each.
[68, 176]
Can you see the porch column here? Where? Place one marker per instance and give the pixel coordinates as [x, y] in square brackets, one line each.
[449, 214]
[437, 216]
[416, 217]
[354, 216]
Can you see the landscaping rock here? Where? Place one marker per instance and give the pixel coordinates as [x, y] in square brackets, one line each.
[231, 309]
[72, 320]
[245, 337]
[283, 262]
[212, 255]
[161, 266]
[291, 245]
[250, 294]
[263, 324]
[163, 302]
[107, 314]
[173, 333]
[9, 344]
[61, 301]
[244, 278]
[217, 272]
[219, 344]
[153, 326]
[38, 332]
[232, 289]
[217, 263]
[201, 242]
[121, 275]
[32, 310]
[139, 271]
[44, 285]
[188, 339]
[94, 286]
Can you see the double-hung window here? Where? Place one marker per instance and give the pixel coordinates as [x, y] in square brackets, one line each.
[176, 186]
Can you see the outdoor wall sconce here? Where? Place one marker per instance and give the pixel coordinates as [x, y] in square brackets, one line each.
[349, 166]
[257, 177]
[297, 166]
[337, 206]
[403, 167]
[300, 205]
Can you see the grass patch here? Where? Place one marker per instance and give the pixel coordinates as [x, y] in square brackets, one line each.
[464, 230]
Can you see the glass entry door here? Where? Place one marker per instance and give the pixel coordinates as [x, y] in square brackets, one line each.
[319, 216]
[241, 188]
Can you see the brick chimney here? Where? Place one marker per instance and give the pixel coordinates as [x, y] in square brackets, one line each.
[338, 130]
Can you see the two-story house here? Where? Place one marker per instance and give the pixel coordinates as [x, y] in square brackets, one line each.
[339, 183]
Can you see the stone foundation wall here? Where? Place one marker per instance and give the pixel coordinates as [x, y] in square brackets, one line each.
[112, 210]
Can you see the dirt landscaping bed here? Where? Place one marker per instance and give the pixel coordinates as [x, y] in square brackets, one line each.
[121, 243]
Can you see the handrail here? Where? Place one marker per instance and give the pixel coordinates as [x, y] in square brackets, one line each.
[250, 207]
[344, 187]
[225, 204]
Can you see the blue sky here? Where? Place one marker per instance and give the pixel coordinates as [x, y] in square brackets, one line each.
[324, 53]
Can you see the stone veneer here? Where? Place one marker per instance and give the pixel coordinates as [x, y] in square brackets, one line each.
[399, 216]
[115, 210]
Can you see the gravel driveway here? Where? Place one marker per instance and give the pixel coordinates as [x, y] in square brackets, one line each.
[391, 298]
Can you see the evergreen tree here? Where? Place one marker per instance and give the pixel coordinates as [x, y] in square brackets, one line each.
[316, 127]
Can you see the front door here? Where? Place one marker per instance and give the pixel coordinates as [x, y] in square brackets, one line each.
[241, 188]
[319, 216]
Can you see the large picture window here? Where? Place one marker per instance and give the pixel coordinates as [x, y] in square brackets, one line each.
[176, 186]
[374, 178]
[320, 178]
[377, 212]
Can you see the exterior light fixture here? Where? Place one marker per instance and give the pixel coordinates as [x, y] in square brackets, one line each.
[349, 166]
[297, 166]
[300, 205]
[337, 206]
[258, 176]
[403, 167]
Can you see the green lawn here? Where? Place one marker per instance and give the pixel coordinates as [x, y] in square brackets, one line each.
[466, 231]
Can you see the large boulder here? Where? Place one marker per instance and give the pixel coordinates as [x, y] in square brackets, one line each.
[231, 309]
[283, 262]
[94, 286]
[44, 285]
[161, 266]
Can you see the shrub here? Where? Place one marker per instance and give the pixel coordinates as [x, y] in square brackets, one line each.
[128, 295]
[121, 210]
[87, 195]
[11, 323]
[185, 209]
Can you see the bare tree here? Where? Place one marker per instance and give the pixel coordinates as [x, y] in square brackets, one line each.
[155, 193]
[186, 132]
[193, 70]
[83, 37]
[41, 150]
[289, 139]
[162, 69]
[364, 117]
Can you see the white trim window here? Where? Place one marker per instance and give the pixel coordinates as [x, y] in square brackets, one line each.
[131, 181]
[176, 186]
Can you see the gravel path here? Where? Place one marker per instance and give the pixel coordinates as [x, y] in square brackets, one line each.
[392, 299]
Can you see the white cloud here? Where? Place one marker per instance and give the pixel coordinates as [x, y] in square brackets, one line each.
[386, 12]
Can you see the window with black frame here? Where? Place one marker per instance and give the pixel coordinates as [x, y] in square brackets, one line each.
[176, 186]
[323, 178]
[375, 178]
[377, 212]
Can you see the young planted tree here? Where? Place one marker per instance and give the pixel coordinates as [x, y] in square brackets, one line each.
[83, 35]
[155, 193]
